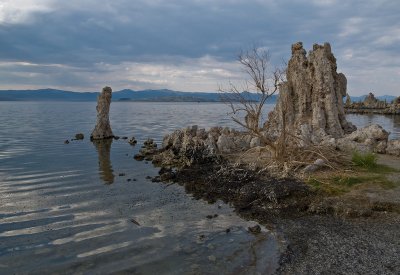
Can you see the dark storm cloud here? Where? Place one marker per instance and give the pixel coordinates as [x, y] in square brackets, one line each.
[83, 34]
[126, 31]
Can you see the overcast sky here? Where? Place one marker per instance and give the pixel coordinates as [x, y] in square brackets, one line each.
[189, 45]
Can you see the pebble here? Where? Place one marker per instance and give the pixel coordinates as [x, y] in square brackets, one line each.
[210, 246]
[254, 229]
[212, 258]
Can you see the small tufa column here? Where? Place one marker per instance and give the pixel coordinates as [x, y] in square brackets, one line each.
[103, 128]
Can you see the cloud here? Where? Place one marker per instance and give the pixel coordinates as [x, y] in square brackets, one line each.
[189, 74]
[169, 42]
[22, 11]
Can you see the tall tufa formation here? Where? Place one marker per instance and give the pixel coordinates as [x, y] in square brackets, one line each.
[310, 103]
[103, 128]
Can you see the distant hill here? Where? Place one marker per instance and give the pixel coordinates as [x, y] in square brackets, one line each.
[163, 95]
[123, 95]
[45, 95]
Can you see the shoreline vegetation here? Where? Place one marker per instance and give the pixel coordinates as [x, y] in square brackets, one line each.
[306, 172]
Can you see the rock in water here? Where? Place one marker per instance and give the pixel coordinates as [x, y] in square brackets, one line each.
[79, 136]
[310, 104]
[103, 128]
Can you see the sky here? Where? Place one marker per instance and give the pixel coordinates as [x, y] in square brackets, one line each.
[189, 45]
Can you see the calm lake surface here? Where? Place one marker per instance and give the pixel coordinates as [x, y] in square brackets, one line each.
[68, 208]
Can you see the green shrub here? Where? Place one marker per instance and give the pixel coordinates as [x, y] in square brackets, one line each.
[348, 181]
[365, 160]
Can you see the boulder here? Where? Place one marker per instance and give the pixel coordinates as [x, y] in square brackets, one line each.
[373, 132]
[102, 129]
[393, 147]
[371, 138]
[225, 143]
[318, 164]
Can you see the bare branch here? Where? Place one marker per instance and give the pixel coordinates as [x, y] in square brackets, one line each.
[261, 85]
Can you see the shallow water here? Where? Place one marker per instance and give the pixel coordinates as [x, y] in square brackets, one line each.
[65, 208]
[82, 207]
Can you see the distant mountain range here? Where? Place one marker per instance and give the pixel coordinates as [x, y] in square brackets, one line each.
[131, 95]
[123, 95]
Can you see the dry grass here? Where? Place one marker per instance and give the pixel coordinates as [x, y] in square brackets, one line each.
[293, 160]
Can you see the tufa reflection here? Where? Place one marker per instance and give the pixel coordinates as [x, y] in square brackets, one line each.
[103, 148]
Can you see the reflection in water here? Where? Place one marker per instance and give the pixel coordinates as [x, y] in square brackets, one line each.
[103, 148]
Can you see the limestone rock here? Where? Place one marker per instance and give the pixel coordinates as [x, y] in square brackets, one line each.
[103, 128]
[132, 141]
[370, 100]
[225, 143]
[310, 103]
[319, 163]
[372, 105]
[371, 138]
[255, 141]
[374, 132]
[393, 147]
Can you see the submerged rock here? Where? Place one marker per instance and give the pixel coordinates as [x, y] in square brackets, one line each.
[132, 141]
[103, 128]
[148, 150]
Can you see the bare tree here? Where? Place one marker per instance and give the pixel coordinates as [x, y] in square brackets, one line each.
[262, 83]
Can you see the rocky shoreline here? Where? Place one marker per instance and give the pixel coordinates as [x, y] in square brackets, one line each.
[327, 234]
[320, 235]
[263, 172]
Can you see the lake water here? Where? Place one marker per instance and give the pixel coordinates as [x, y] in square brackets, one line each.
[82, 208]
